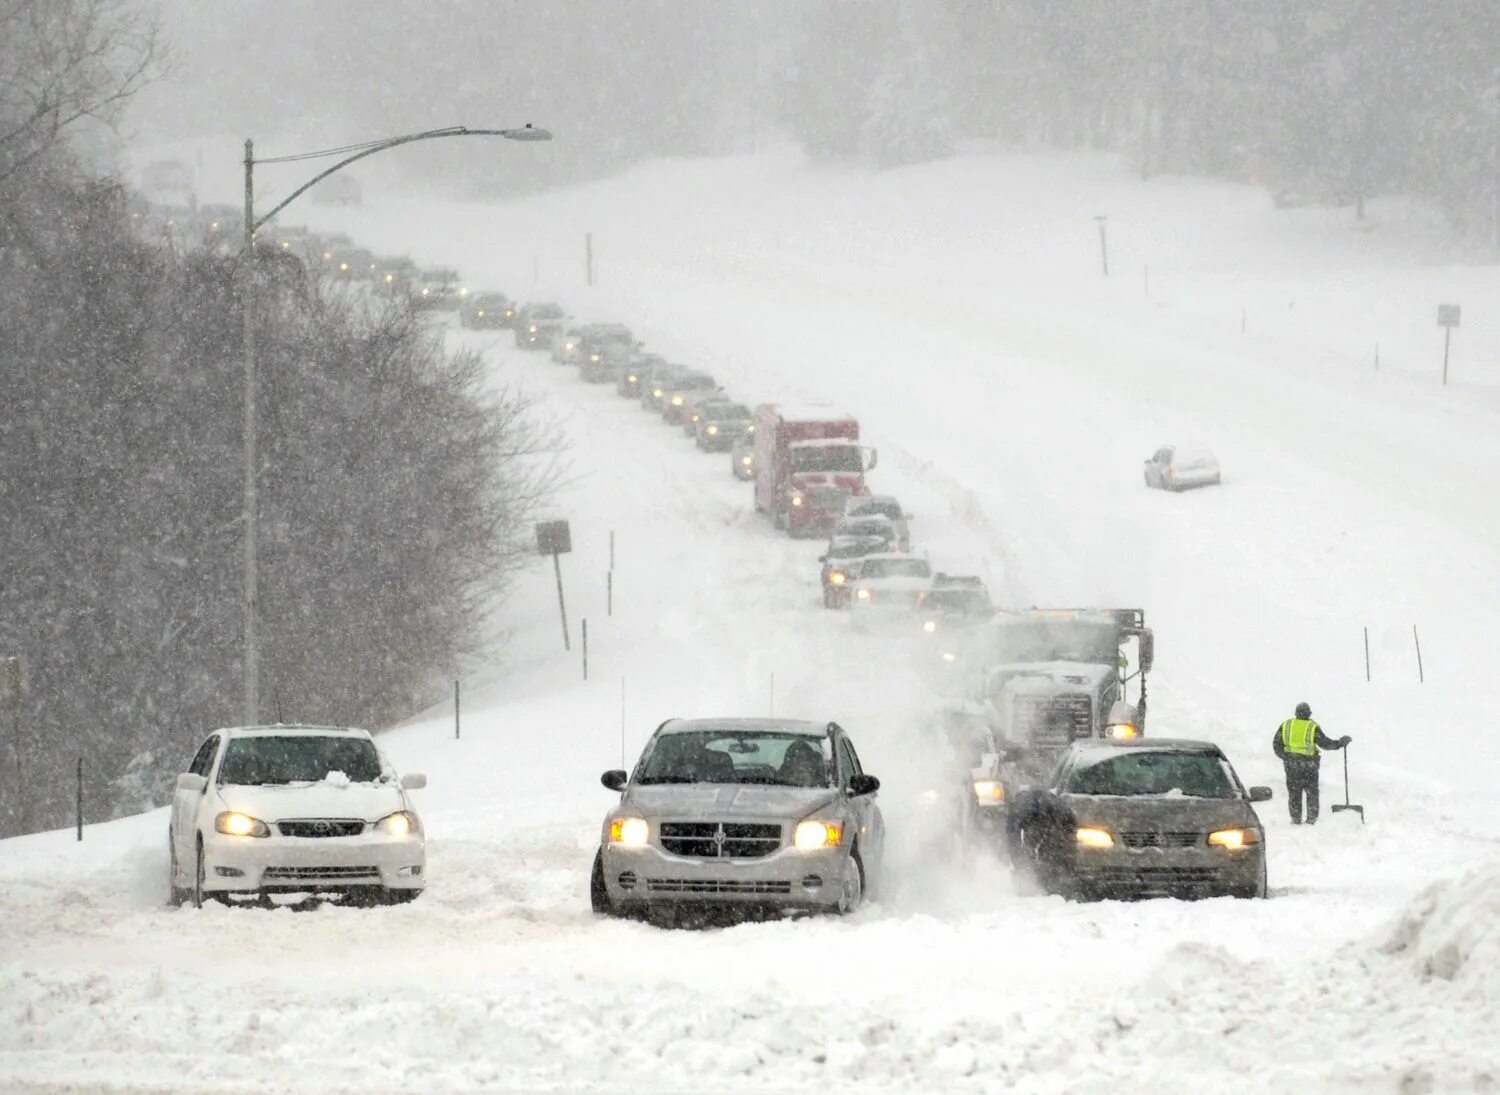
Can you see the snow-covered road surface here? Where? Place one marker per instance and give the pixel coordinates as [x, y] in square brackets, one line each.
[1012, 400]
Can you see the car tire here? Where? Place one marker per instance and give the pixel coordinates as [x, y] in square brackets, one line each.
[1258, 892]
[851, 885]
[177, 896]
[200, 874]
[599, 900]
[399, 897]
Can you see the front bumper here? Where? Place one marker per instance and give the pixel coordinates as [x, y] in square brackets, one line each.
[782, 880]
[1168, 872]
[280, 864]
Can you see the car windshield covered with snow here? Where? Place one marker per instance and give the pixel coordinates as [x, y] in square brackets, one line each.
[1154, 772]
[300, 758]
[877, 506]
[720, 756]
[720, 411]
[544, 311]
[820, 457]
[1063, 640]
[877, 527]
[854, 547]
[904, 567]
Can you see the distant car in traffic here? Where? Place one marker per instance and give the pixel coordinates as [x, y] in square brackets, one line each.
[955, 600]
[1175, 467]
[742, 455]
[604, 349]
[720, 421]
[680, 392]
[537, 324]
[692, 408]
[628, 379]
[437, 287]
[267, 810]
[656, 383]
[485, 311]
[1141, 818]
[882, 505]
[754, 813]
[889, 584]
[351, 264]
[565, 345]
[395, 273]
[841, 562]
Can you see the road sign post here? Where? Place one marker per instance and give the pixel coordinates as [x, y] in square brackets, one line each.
[1448, 318]
[554, 538]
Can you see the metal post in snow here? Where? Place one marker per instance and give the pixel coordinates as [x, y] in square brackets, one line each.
[562, 607]
[609, 593]
[1421, 677]
[1103, 243]
[1367, 655]
[80, 796]
[1447, 338]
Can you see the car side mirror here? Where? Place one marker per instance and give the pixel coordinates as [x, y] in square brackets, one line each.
[1146, 653]
[191, 781]
[872, 457]
[413, 781]
[1260, 794]
[615, 779]
[822, 558]
[863, 784]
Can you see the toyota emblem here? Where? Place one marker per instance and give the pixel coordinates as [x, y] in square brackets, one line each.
[320, 826]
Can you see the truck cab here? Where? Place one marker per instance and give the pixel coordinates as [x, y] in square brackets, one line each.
[808, 462]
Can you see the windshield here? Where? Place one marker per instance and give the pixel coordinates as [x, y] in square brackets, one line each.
[832, 458]
[878, 530]
[1074, 640]
[865, 508]
[546, 311]
[1195, 775]
[957, 600]
[855, 547]
[695, 383]
[727, 412]
[754, 756]
[281, 758]
[895, 568]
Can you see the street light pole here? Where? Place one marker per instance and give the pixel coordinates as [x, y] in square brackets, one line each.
[248, 514]
[250, 595]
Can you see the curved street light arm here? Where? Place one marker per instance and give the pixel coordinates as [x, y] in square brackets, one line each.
[527, 134]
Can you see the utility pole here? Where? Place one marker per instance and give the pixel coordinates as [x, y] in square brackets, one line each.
[248, 514]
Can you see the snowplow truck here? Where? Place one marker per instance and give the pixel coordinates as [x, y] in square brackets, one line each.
[808, 461]
[1055, 676]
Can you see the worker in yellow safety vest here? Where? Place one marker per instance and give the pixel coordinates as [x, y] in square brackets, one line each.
[1298, 742]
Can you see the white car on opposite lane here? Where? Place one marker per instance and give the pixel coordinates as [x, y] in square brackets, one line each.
[294, 809]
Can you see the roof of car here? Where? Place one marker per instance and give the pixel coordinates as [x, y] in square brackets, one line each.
[290, 728]
[823, 443]
[1157, 745]
[896, 556]
[790, 726]
[872, 500]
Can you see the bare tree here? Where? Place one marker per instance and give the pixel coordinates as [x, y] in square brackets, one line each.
[64, 61]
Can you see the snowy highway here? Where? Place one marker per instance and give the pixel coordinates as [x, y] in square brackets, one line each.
[1012, 395]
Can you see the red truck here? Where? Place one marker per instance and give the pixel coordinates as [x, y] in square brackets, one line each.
[808, 461]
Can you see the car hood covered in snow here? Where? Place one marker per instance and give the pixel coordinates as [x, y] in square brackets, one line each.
[721, 800]
[1160, 813]
[272, 802]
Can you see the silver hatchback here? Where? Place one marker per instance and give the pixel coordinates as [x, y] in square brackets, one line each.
[761, 813]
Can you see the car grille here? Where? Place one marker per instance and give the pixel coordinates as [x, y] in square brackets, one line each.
[319, 874]
[321, 826]
[715, 886]
[1052, 722]
[1152, 876]
[1162, 840]
[720, 840]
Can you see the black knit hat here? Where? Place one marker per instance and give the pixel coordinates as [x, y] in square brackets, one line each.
[1304, 711]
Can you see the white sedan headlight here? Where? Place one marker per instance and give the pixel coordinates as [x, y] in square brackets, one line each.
[234, 823]
[401, 823]
[813, 835]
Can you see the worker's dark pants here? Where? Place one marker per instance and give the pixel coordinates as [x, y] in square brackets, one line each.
[1301, 780]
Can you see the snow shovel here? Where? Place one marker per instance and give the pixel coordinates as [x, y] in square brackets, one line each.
[1346, 804]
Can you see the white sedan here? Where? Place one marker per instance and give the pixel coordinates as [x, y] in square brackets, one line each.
[294, 810]
[1179, 467]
